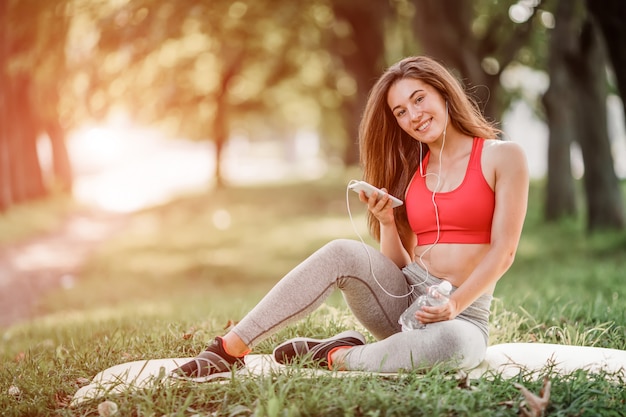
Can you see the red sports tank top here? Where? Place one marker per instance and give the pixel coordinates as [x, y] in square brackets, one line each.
[465, 213]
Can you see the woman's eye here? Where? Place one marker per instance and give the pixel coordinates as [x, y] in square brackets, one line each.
[400, 113]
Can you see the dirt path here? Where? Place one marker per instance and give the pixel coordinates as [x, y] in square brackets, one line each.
[30, 269]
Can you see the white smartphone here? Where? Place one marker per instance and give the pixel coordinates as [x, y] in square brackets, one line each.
[358, 186]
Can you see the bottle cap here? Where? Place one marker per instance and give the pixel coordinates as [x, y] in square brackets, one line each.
[444, 287]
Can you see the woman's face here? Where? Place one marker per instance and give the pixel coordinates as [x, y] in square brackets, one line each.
[419, 109]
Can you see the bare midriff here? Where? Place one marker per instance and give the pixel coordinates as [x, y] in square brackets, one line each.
[453, 262]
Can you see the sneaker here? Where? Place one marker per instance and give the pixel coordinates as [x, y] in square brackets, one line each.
[213, 363]
[315, 349]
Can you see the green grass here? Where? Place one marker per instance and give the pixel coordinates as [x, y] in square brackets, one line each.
[26, 220]
[181, 272]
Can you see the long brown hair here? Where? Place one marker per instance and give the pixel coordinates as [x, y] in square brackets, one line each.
[389, 156]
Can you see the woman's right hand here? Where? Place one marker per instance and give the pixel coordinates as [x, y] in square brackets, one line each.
[390, 243]
[379, 206]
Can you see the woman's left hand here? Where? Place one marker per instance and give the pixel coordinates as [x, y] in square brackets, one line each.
[433, 314]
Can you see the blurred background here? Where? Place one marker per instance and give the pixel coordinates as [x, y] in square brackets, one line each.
[125, 103]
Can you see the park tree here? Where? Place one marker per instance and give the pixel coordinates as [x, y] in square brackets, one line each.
[577, 111]
[560, 188]
[5, 191]
[480, 40]
[610, 15]
[476, 38]
[359, 45]
[32, 39]
[334, 50]
[191, 65]
[185, 65]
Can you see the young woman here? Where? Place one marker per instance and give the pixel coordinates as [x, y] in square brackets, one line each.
[424, 140]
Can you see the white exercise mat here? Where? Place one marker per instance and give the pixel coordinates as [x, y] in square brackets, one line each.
[507, 359]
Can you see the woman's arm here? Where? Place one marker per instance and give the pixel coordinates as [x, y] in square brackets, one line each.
[391, 244]
[511, 192]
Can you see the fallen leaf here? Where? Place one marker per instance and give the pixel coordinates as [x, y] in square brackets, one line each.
[464, 381]
[230, 324]
[62, 399]
[80, 381]
[107, 408]
[189, 334]
[533, 405]
[14, 391]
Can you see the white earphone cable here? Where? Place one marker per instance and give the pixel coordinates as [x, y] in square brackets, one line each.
[438, 175]
[369, 257]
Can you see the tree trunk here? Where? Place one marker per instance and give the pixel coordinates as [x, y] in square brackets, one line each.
[5, 183]
[561, 120]
[603, 194]
[364, 61]
[61, 166]
[5, 167]
[560, 190]
[576, 106]
[26, 176]
[610, 15]
[220, 137]
[232, 61]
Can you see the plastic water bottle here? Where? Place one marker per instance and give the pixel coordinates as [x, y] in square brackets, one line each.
[437, 295]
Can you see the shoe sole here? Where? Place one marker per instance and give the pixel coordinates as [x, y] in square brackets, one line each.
[343, 335]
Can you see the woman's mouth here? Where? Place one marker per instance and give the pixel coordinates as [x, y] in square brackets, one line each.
[424, 125]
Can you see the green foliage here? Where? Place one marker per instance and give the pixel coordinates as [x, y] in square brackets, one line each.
[207, 60]
[160, 290]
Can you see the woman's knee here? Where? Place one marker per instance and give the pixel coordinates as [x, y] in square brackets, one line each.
[464, 345]
[344, 246]
[345, 252]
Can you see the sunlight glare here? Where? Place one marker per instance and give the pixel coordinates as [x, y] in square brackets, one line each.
[221, 219]
[102, 150]
[490, 65]
[519, 13]
[123, 168]
[548, 20]
[237, 10]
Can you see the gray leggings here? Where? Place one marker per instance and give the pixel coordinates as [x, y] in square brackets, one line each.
[345, 265]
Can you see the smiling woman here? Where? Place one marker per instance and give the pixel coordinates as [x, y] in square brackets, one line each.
[423, 139]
